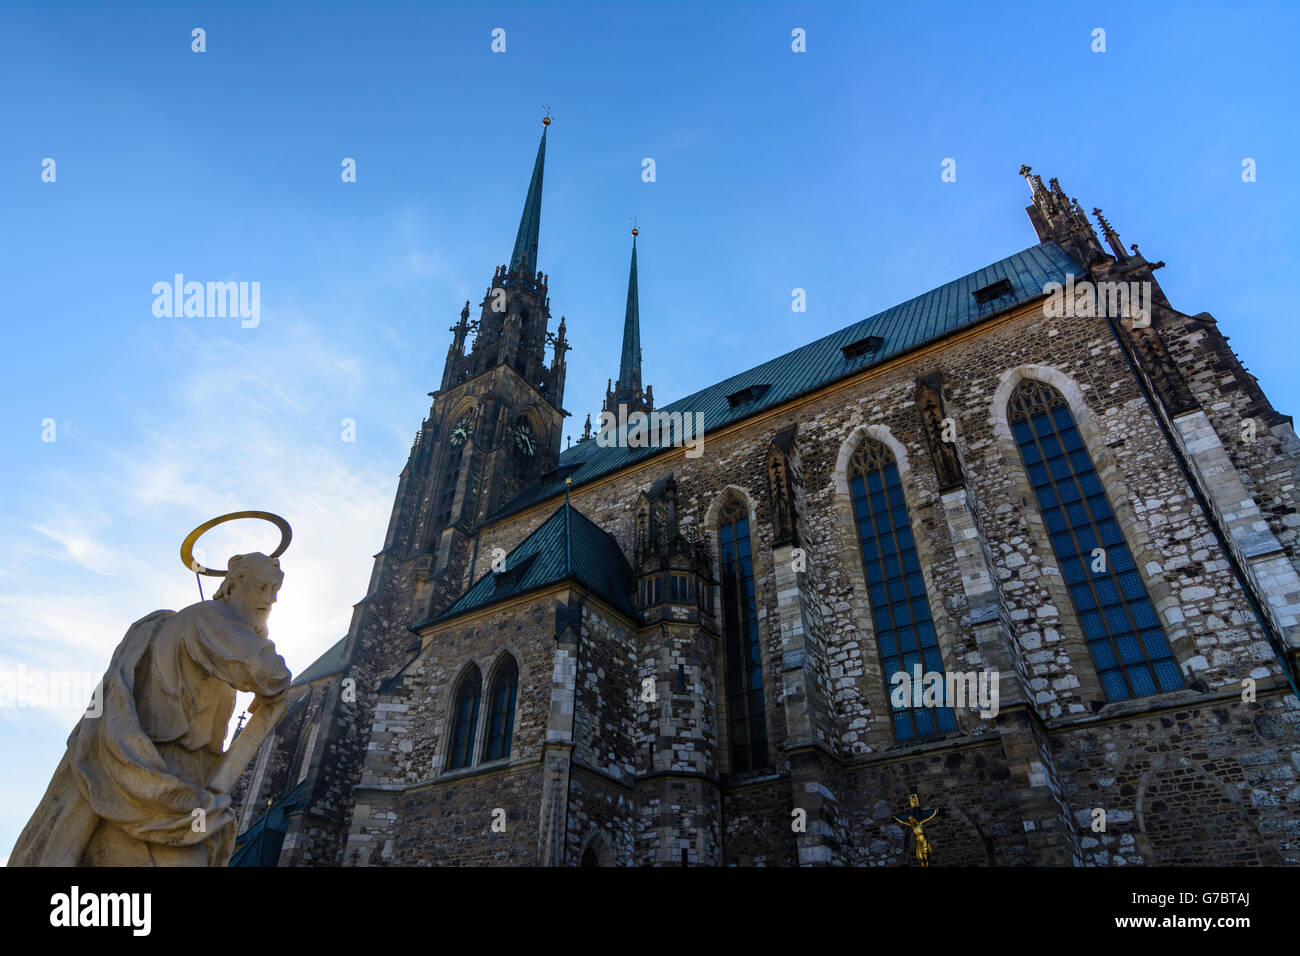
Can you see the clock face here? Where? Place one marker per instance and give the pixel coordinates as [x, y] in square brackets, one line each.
[460, 431]
[525, 441]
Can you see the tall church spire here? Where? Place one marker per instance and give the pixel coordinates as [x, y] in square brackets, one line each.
[524, 258]
[629, 365]
[627, 390]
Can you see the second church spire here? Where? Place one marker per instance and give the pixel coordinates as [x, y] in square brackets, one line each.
[627, 390]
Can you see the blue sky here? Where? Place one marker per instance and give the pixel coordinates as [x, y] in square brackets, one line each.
[775, 170]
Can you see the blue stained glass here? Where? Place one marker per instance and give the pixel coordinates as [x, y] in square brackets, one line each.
[1063, 544]
[1113, 683]
[1129, 650]
[1107, 593]
[1168, 675]
[1055, 520]
[1083, 599]
[1038, 475]
[1118, 588]
[744, 675]
[1086, 537]
[1154, 641]
[1103, 654]
[1139, 676]
[924, 722]
[885, 529]
[903, 725]
[1144, 614]
[1131, 585]
[1093, 626]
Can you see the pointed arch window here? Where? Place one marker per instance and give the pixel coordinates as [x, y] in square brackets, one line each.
[1128, 646]
[744, 669]
[501, 713]
[465, 718]
[449, 482]
[900, 611]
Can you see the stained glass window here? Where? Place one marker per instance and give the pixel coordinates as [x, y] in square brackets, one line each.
[501, 718]
[744, 668]
[1128, 646]
[900, 610]
[465, 719]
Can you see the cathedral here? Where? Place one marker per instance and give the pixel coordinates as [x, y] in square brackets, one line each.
[1006, 574]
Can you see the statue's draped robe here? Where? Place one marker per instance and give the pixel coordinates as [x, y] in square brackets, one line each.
[141, 765]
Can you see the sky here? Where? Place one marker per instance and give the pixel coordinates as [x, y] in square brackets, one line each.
[775, 170]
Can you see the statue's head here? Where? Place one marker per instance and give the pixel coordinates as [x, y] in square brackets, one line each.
[251, 584]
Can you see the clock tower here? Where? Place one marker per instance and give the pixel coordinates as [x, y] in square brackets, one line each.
[495, 423]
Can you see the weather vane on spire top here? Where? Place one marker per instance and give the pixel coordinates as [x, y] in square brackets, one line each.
[635, 230]
[546, 120]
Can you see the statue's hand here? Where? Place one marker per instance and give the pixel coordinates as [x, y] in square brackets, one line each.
[274, 706]
[220, 813]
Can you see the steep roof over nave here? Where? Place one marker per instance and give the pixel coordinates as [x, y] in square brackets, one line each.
[910, 325]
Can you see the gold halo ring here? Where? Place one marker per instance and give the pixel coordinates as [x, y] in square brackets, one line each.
[187, 546]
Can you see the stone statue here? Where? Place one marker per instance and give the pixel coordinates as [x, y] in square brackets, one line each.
[922, 844]
[146, 783]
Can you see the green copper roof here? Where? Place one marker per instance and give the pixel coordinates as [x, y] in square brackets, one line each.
[629, 366]
[331, 662]
[524, 258]
[916, 322]
[261, 843]
[567, 546]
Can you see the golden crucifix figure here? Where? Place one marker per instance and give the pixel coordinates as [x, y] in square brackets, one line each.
[922, 844]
